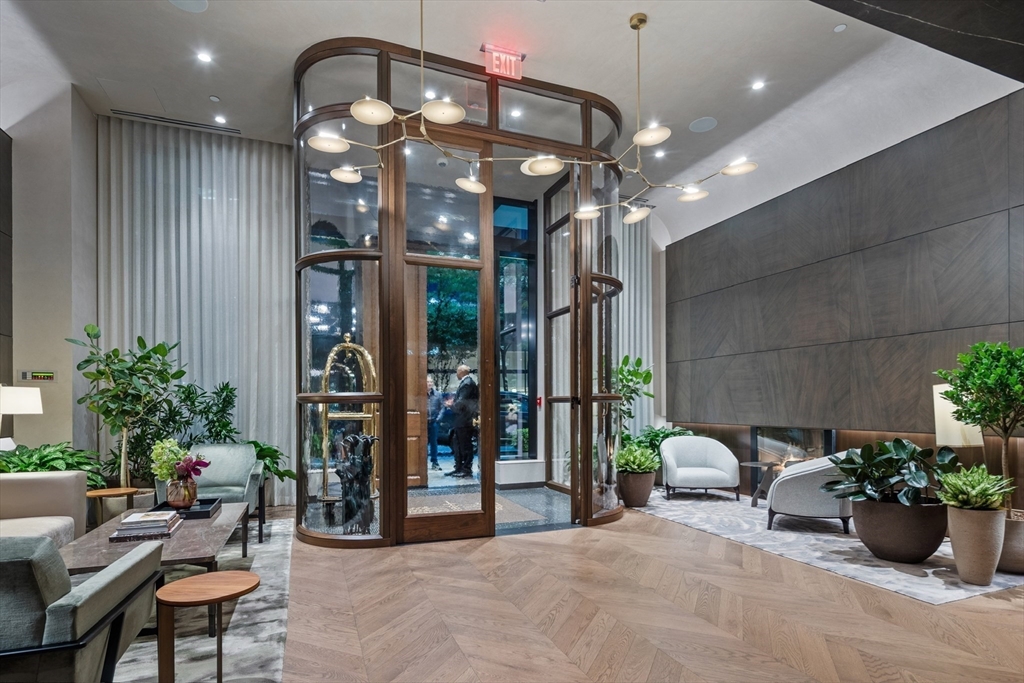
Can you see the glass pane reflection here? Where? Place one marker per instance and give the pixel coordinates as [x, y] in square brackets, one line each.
[520, 111]
[344, 78]
[604, 491]
[441, 219]
[464, 90]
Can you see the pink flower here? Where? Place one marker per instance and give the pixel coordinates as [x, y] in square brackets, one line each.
[189, 467]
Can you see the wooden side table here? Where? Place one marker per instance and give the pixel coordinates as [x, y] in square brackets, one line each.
[213, 588]
[97, 496]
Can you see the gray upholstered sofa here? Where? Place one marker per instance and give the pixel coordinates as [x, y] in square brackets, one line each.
[797, 491]
[697, 462]
[235, 475]
[50, 504]
[53, 632]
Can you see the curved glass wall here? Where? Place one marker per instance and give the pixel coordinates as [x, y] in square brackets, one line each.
[372, 260]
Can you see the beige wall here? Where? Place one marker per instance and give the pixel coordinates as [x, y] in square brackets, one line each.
[54, 228]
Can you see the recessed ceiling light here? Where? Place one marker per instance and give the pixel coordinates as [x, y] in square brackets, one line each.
[516, 113]
[703, 124]
[659, 153]
[220, 119]
[204, 57]
[430, 94]
[214, 98]
[757, 85]
[407, 151]
[840, 28]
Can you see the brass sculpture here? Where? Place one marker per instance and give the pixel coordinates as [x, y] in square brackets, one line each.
[369, 415]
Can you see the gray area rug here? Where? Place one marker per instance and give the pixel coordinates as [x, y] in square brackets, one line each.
[255, 625]
[820, 543]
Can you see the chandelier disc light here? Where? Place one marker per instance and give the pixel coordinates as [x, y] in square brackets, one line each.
[444, 111]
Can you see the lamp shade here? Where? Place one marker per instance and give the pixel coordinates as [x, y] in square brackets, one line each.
[948, 430]
[20, 401]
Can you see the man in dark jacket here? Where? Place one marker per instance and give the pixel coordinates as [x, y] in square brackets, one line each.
[435, 404]
[466, 407]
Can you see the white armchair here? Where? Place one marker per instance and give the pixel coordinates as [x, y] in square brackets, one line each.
[797, 492]
[697, 462]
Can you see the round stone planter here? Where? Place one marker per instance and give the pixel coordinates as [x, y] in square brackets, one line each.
[900, 533]
[1011, 560]
[635, 489]
[977, 537]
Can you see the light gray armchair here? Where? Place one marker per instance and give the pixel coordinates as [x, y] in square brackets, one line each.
[53, 632]
[50, 504]
[797, 491]
[697, 462]
[235, 475]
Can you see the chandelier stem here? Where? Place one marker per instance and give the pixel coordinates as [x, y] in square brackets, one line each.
[422, 101]
[638, 81]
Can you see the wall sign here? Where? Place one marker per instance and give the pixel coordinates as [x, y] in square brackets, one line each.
[501, 61]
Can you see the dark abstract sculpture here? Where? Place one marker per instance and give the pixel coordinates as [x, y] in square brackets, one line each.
[356, 472]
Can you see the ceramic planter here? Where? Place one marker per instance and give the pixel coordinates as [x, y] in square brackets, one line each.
[181, 494]
[1012, 559]
[900, 533]
[977, 537]
[635, 489]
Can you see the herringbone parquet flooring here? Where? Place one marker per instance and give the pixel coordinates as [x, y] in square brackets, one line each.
[643, 599]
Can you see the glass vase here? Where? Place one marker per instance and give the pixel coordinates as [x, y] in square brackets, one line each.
[181, 494]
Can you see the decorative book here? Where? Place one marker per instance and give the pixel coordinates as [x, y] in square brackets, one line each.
[127, 535]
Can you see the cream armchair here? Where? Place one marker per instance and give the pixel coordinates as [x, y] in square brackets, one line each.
[697, 462]
[797, 492]
[50, 504]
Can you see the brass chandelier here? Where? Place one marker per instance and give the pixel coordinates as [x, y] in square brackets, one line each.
[376, 112]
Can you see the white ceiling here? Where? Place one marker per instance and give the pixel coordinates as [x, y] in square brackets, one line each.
[830, 98]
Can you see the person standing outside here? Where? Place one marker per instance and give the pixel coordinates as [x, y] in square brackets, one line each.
[435, 405]
[466, 406]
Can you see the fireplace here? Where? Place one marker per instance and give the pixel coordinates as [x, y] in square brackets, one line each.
[788, 445]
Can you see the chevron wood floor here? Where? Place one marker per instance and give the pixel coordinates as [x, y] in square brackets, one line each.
[643, 599]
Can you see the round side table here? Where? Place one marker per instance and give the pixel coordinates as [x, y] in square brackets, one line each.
[203, 589]
[768, 471]
[97, 496]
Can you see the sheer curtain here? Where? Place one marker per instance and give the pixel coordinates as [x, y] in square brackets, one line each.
[196, 243]
[635, 331]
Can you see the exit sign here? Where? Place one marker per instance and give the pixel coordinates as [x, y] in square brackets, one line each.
[501, 61]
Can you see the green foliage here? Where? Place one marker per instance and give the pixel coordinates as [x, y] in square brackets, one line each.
[974, 489]
[272, 458]
[165, 455]
[53, 458]
[652, 437]
[631, 378]
[987, 390]
[891, 471]
[127, 388]
[451, 320]
[636, 459]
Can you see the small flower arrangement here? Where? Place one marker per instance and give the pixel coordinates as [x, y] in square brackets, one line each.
[171, 462]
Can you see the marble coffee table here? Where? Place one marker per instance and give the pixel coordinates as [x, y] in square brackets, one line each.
[196, 543]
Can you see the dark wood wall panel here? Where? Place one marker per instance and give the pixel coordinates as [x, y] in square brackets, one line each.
[804, 226]
[946, 278]
[1016, 259]
[832, 306]
[1016, 147]
[891, 378]
[943, 176]
[770, 313]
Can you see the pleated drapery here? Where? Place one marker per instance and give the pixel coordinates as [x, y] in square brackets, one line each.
[635, 329]
[196, 244]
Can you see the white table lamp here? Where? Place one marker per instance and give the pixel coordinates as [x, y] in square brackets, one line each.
[18, 401]
[948, 430]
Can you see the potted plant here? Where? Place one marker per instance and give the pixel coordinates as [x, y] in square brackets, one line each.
[631, 378]
[652, 437]
[890, 485]
[173, 464]
[974, 499]
[53, 458]
[987, 390]
[127, 388]
[636, 465]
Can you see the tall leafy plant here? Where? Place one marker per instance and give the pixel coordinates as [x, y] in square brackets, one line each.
[127, 388]
[891, 471]
[987, 390]
[631, 382]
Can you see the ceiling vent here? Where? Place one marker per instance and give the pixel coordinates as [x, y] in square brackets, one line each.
[175, 122]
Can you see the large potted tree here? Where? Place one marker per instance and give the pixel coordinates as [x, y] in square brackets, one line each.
[892, 486]
[987, 390]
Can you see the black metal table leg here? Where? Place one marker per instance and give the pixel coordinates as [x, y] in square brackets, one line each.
[211, 611]
[220, 644]
[263, 509]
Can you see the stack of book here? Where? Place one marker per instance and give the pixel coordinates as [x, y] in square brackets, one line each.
[147, 526]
